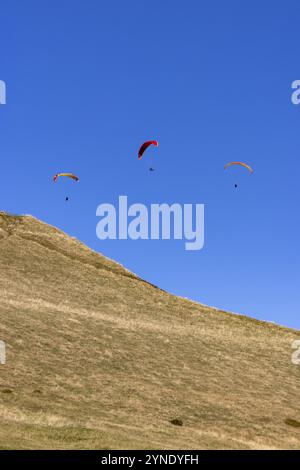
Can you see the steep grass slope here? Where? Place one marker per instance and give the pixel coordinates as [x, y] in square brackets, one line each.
[98, 358]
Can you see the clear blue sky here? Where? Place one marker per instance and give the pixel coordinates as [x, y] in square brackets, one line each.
[89, 81]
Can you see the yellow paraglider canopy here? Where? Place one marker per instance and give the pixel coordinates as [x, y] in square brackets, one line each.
[68, 175]
[239, 163]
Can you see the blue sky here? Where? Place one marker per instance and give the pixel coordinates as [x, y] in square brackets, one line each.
[88, 82]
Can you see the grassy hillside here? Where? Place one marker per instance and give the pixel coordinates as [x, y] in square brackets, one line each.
[98, 358]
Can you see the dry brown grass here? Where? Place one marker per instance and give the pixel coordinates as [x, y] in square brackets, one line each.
[98, 358]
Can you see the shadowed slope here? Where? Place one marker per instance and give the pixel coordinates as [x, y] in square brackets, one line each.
[98, 358]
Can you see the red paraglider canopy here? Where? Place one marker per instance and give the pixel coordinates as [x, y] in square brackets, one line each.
[145, 146]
